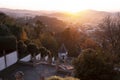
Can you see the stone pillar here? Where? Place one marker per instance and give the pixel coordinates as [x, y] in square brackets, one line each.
[19, 75]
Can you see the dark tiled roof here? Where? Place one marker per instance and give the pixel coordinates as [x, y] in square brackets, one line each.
[63, 49]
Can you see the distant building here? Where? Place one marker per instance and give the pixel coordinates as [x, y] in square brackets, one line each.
[62, 54]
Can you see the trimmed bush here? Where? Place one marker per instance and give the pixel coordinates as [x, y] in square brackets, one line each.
[7, 44]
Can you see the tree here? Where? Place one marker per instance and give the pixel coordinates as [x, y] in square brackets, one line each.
[32, 49]
[4, 30]
[22, 49]
[5, 19]
[40, 27]
[49, 42]
[71, 38]
[90, 65]
[89, 43]
[7, 44]
[23, 35]
[111, 30]
[37, 42]
[44, 52]
[108, 35]
[18, 31]
[2, 17]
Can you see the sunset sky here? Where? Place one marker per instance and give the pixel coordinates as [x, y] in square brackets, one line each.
[62, 5]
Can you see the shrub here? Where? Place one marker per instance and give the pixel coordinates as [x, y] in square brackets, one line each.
[90, 65]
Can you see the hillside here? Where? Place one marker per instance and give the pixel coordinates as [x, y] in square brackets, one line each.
[22, 13]
[53, 24]
[86, 16]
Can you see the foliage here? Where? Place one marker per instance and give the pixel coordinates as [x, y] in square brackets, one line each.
[5, 19]
[71, 38]
[44, 52]
[37, 42]
[49, 42]
[22, 49]
[18, 31]
[89, 43]
[4, 30]
[7, 43]
[90, 65]
[39, 28]
[51, 24]
[32, 49]
[109, 34]
[27, 42]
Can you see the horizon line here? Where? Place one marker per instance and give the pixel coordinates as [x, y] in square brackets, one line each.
[58, 10]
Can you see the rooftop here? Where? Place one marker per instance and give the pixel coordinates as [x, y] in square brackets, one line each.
[63, 49]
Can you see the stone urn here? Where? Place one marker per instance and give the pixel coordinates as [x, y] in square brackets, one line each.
[19, 75]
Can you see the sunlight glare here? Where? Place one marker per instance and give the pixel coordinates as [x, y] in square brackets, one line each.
[72, 6]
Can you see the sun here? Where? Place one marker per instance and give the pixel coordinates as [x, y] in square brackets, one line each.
[74, 6]
[74, 11]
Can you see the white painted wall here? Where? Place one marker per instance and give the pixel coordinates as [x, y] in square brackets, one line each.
[11, 58]
[46, 58]
[26, 58]
[38, 57]
[2, 63]
[0, 78]
[53, 59]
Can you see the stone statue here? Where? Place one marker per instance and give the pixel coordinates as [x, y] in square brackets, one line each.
[19, 75]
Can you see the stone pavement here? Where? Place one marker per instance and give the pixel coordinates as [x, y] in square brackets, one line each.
[33, 73]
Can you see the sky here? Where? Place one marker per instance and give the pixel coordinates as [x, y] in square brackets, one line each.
[62, 5]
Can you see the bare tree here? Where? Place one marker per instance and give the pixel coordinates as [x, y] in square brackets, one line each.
[109, 33]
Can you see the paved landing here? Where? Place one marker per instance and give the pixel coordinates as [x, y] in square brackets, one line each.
[32, 73]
